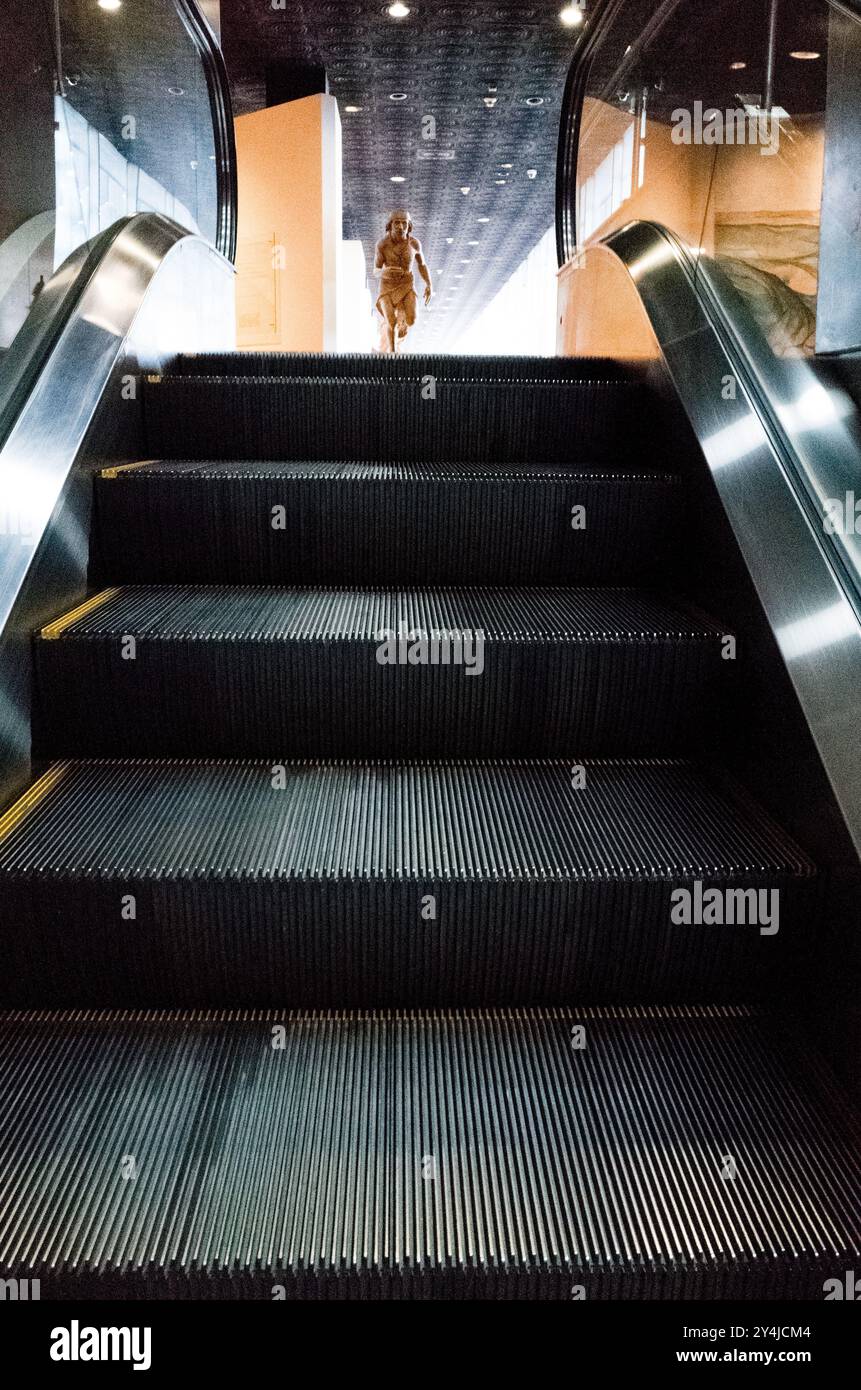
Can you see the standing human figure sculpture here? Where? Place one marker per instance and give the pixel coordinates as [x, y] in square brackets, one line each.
[394, 264]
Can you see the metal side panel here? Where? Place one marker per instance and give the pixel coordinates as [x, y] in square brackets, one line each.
[155, 290]
[802, 574]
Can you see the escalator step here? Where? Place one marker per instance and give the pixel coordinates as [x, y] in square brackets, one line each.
[377, 367]
[388, 418]
[548, 671]
[656, 1153]
[365, 523]
[355, 884]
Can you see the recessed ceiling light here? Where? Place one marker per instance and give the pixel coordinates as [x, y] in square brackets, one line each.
[397, 96]
[109, 4]
[472, 243]
[489, 102]
[737, 67]
[532, 173]
[449, 240]
[805, 55]
[397, 178]
[506, 166]
[465, 189]
[177, 91]
[466, 262]
[352, 109]
[482, 219]
[534, 101]
[571, 16]
[398, 11]
[500, 180]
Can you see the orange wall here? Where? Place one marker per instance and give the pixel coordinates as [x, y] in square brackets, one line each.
[289, 162]
[599, 311]
[701, 193]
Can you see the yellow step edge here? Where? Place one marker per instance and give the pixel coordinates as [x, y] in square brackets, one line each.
[56, 629]
[31, 798]
[117, 468]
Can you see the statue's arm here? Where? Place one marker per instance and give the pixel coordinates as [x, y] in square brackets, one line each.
[423, 268]
[380, 262]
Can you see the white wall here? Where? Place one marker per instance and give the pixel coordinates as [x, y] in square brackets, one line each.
[521, 317]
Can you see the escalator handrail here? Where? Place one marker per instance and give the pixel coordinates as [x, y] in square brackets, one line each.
[86, 331]
[224, 135]
[838, 452]
[602, 17]
[38, 336]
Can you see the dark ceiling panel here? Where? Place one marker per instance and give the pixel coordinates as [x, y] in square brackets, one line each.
[449, 59]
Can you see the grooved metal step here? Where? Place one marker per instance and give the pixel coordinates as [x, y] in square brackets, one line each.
[353, 884]
[408, 367]
[474, 672]
[654, 1153]
[387, 418]
[264, 521]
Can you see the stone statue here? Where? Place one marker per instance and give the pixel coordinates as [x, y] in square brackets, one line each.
[394, 265]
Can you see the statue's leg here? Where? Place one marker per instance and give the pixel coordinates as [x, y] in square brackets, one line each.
[406, 315]
[389, 314]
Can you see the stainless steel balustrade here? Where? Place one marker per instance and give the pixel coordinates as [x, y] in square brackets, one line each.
[156, 290]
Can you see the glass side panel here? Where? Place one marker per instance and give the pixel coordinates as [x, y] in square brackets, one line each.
[104, 112]
[721, 127]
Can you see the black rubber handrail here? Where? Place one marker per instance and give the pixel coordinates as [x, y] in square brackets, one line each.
[221, 108]
[39, 333]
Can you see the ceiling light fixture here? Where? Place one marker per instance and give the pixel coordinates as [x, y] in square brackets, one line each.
[482, 219]
[501, 180]
[506, 166]
[737, 67]
[804, 55]
[177, 91]
[532, 173]
[534, 101]
[472, 243]
[449, 240]
[571, 16]
[397, 96]
[352, 109]
[465, 189]
[397, 178]
[109, 4]
[490, 102]
[398, 11]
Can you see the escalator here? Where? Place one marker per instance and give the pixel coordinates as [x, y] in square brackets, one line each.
[428, 848]
[367, 972]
